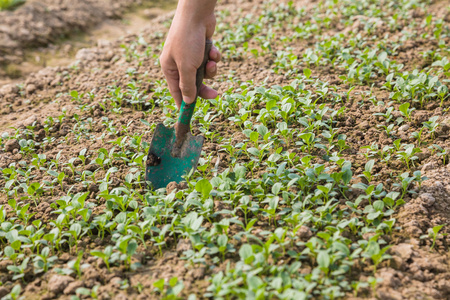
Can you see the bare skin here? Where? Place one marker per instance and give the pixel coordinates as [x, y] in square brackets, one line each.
[194, 22]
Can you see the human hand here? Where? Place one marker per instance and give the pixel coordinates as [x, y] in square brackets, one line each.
[183, 51]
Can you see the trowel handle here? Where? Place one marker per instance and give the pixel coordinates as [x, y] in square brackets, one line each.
[187, 110]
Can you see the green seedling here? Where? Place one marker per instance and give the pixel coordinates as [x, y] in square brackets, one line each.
[273, 205]
[43, 261]
[443, 93]
[174, 288]
[367, 174]
[8, 4]
[76, 265]
[77, 97]
[432, 125]
[15, 292]
[418, 135]
[390, 200]
[419, 178]
[405, 182]
[160, 236]
[104, 255]
[126, 247]
[74, 233]
[408, 155]
[406, 111]
[19, 271]
[434, 234]
[376, 253]
[35, 191]
[387, 115]
[440, 152]
[388, 129]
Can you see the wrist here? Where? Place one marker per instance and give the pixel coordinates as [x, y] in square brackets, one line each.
[196, 12]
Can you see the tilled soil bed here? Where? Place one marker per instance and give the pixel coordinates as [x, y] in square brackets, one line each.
[39, 23]
[315, 182]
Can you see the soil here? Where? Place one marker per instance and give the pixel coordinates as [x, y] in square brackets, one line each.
[153, 160]
[416, 269]
[39, 23]
[45, 33]
[414, 272]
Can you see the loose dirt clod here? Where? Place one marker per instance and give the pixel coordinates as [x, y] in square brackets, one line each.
[11, 145]
[58, 283]
[172, 186]
[153, 160]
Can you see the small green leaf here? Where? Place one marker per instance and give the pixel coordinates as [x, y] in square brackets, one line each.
[173, 281]
[159, 284]
[437, 228]
[323, 260]
[204, 187]
[307, 72]
[245, 251]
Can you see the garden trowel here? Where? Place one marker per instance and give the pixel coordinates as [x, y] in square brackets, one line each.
[174, 152]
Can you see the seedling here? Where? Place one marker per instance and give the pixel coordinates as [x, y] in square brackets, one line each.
[408, 154]
[434, 234]
[406, 111]
[76, 265]
[43, 261]
[376, 253]
[367, 174]
[19, 271]
[431, 125]
[104, 255]
[440, 152]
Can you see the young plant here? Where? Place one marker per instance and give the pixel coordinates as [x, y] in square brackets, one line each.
[76, 265]
[19, 271]
[408, 155]
[104, 255]
[43, 261]
[434, 234]
[406, 111]
[367, 174]
[431, 125]
[376, 253]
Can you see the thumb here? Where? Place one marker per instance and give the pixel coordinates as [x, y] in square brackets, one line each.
[187, 84]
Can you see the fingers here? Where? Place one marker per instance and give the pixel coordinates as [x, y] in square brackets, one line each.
[174, 90]
[181, 79]
[187, 83]
[215, 54]
[207, 93]
[211, 69]
[170, 71]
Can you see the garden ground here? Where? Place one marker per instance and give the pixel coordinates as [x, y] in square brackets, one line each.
[324, 173]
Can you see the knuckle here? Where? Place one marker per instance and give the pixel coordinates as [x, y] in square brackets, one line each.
[170, 73]
[187, 69]
[163, 59]
[186, 88]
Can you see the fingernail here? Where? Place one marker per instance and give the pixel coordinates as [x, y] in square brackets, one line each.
[188, 100]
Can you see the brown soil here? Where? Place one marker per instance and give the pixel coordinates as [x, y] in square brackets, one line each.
[153, 160]
[45, 33]
[415, 272]
[39, 23]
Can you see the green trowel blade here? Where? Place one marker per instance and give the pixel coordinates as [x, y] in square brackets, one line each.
[163, 167]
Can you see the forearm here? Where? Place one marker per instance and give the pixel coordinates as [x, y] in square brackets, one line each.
[195, 10]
